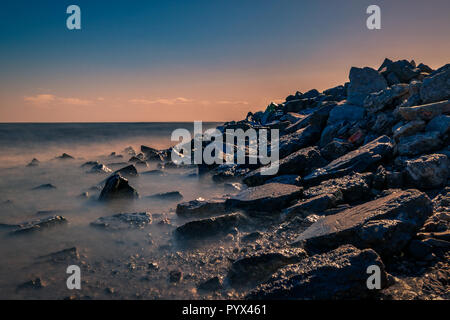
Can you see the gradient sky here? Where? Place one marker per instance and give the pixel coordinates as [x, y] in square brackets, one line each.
[185, 60]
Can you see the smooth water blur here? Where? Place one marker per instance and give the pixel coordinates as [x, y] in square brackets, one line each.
[20, 143]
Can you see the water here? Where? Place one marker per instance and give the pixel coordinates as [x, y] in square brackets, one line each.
[115, 260]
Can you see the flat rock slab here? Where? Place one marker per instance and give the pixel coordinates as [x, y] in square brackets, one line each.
[167, 196]
[40, 224]
[355, 161]
[123, 221]
[339, 274]
[210, 227]
[425, 112]
[419, 143]
[428, 172]
[409, 207]
[266, 198]
[201, 208]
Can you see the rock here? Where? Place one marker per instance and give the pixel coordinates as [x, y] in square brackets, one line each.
[346, 112]
[300, 139]
[90, 164]
[40, 224]
[335, 149]
[310, 94]
[410, 128]
[316, 117]
[201, 208]
[287, 179]
[167, 196]
[419, 249]
[338, 93]
[152, 154]
[300, 162]
[34, 163]
[212, 284]
[339, 274]
[46, 186]
[33, 284]
[100, 168]
[155, 172]
[210, 227]
[362, 83]
[299, 105]
[440, 124]
[355, 161]
[436, 87]
[62, 256]
[117, 187]
[384, 99]
[402, 70]
[175, 276]
[255, 269]
[266, 198]
[123, 221]
[128, 171]
[426, 111]
[252, 236]
[385, 224]
[314, 205]
[419, 143]
[65, 156]
[428, 172]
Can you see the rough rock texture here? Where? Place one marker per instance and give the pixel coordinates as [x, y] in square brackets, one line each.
[407, 129]
[440, 124]
[201, 208]
[362, 83]
[38, 225]
[123, 221]
[117, 187]
[339, 274]
[378, 101]
[437, 86]
[419, 143]
[426, 111]
[346, 112]
[428, 172]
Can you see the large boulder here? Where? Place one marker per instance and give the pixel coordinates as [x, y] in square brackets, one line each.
[379, 100]
[117, 187]
[339, 274]
[355, 161]
[346, 112]
[428, 172]
[419, 143]
[426, 111]
[399, 71]
[364, 81]
[441, 124]
[436, 87]
[266, 198]
[385, 224]
[302, 138]
[407, 129]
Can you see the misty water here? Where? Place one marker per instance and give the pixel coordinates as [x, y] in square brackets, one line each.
[106, 257]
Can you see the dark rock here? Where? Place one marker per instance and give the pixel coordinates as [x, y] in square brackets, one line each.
[128, 171]
[346, 112]
[90, 164]
[408, 129]
[152, 154]
[167, 196]
[62, 256]
[419, 143]
[339, 274]
[428, 172]
[201, 208]
[386, 98]
[255, 269]
[175, 276]
[385, 224]
[299, 104]
[426, 111]
[355, 161]
[402, 70]
[419, 249]
[436, 87]
[313, 205]
[46, 186]
[33, 284]
[129, 151]
[300, 139]
[310, 94]
[155, 172]
[100, 168]
[40, 224]
[335, 149]
[65, 156]
[440, 124]
[212, 284]
[251, 237]
[362, 83]
[123, 221]
[34, 163]
[287, 179]
[117, 187]
[266, 198]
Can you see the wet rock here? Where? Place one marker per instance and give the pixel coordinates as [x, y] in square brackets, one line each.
[65, 255]
[201, 208]
[299, 104]
[355, 161]
[117, 187]
[426, 111]
[428, 172]
[419, 143]
[123, 221]
[317, 117]
[436, 87]
[90, 164]
[38, 225]
[47, 186]
[346, 112]
[210, 227]
[100, 168]
[315, 205]
[128, 171]
[385, 99]
[65, 156]
[300, 162]
[408, 129]
[339, 274]
[335, 149]
[440, 124]
[385, 224]
[300, 139]
[287, 179]
[212, 284]
[34, 163]
[167, 196]
[175, 276]
[266, 198]
[255, 269]
[362, 83]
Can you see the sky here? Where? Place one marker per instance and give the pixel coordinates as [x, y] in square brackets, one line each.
[186, 60]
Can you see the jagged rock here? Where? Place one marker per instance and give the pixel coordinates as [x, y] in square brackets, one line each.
[339, 274]
[403, 71]
[300, 139]
[428, 172]
[436, 87]
[167, 196]
[385, 224]
[255, 269]
[46, 186]
[338, 93]
[300, 162]
[33, 163]
[355, 161]
[299, 104]
[130, 151]
[379, 100]
[117, 187]
[37, 283]
[382, 123]
[410, 128]
[100, 168]
[317, 117]
[201, 208]
[40, 224]
[128, 171]
[362, 83]
[65, 156]
[90, 164]
[440, 124]
[266, 198]
[426, 111]
[346, 112]
[287, 179]
[210, 227]
[335, 149]
[123, 221]
[151, 154]
[419, 143]
[313, 205]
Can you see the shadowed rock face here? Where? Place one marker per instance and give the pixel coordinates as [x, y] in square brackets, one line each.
[339, 274]
[117, 187]
[364, 81]
[355, 161]
[266, 198]
[428, 172]
[410, 208]
[419, 143]
[200, 208]
[437, 86]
